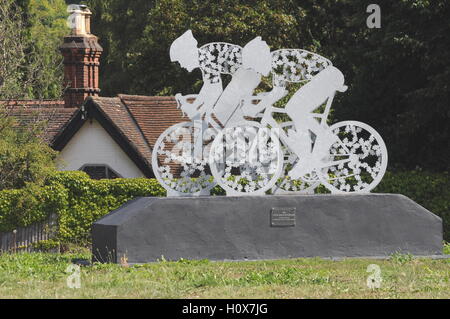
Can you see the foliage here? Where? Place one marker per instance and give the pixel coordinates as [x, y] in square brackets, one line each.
[24, 157]
[79, 200]
[397, 75]
[87, 200]
[47, 27]
[400, 258]
[46, 245]
[446, 248]
[15, 75]
[137, 36]
[23, 207]
[30, 33]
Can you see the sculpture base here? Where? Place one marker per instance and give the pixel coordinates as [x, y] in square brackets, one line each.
[267, 227]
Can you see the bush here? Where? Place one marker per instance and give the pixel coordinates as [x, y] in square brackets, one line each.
[79, 201]
[24, 156]
[23, 207]
[88, 200]
[46, 245]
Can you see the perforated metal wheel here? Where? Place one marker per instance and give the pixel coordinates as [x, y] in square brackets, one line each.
[246, 159]
[357, 160]
[177, 166]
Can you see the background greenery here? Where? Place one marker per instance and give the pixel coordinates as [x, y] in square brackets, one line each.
[79, 201]
[30, 63]
[30, 32]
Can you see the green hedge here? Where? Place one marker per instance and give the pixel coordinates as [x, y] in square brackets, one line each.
[79, 201]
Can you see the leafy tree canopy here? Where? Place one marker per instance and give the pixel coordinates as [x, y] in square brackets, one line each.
[30, 34]
[26, 71]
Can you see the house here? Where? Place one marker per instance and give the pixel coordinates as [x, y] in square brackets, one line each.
[107, 137]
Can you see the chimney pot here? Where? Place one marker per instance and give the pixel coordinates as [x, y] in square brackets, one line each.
[81, 53]
[79, 19]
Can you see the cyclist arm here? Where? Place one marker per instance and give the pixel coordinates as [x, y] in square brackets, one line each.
[266, 99]
[208, 95]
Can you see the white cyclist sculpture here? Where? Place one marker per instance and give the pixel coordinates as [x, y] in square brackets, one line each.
[249, 146]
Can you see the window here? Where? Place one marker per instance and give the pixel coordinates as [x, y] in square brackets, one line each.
[99, 171]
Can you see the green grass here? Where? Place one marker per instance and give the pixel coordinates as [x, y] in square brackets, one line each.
[42, 275]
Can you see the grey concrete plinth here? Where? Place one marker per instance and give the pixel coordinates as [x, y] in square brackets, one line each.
[268, 227]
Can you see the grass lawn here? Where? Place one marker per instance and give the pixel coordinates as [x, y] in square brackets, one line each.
[42, 275]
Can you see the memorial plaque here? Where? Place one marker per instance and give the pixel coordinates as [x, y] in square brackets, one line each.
[282, 217]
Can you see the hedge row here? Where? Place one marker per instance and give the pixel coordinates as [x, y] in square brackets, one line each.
[75, 198]
[79, 201]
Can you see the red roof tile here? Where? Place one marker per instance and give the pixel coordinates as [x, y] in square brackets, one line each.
[153, 114]
[52, 112]
[119, 115]
[34, 103]
[139, 119]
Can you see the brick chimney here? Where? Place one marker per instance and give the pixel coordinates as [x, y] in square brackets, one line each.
[81, 53]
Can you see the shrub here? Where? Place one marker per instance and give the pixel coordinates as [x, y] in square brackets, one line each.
[79, 201]
[46, 245]
[88, 200]
[24, 156]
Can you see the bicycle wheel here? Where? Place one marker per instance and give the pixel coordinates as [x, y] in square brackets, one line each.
[286, 185]
[176, 167]
[357, 160]
[246, 159]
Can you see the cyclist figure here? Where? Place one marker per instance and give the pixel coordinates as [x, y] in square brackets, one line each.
[213, 59]
[237, 99]
[300, 109]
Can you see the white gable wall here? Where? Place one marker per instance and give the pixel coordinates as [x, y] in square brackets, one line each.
[93, 145]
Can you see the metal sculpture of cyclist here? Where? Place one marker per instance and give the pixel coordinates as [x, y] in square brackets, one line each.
[261, 154]
[245, 156]
[180, 154]
[347, 157]
[213, 59]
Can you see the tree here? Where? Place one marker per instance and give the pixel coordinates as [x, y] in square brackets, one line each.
[24, 157]
[30, 64]
[16, 76]
[398, 75]
[136, 36]
[47, 26]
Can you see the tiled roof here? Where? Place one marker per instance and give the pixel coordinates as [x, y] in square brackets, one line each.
[34, 103]
[52, 112]
[118, 114]
[138, 119]
[153, 114]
